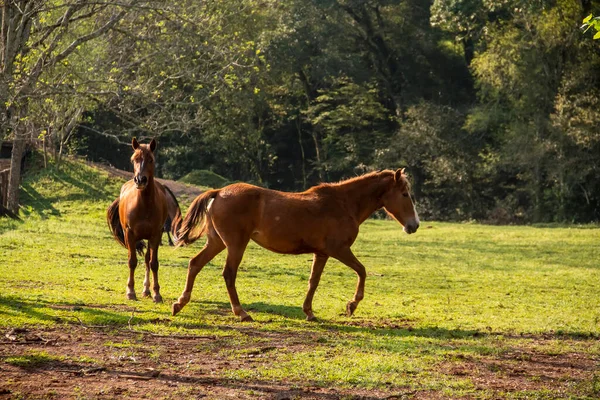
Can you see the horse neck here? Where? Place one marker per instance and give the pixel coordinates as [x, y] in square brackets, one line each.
[364, 196]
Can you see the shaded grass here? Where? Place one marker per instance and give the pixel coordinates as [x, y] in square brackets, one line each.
[448, 292]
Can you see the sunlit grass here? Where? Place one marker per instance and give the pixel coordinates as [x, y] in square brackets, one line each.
[32, 359]
[446, 292]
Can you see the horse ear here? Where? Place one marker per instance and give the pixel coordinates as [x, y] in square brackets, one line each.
[398, 175]
[153, 145]
[135, 144]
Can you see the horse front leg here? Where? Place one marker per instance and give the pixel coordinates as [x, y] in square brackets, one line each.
[347, 257]
[132, 263]
[146, 292]
[153, 265]
[318, 264]
[214, 245]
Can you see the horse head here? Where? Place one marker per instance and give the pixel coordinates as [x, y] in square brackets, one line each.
[398, 203]
[143, 163]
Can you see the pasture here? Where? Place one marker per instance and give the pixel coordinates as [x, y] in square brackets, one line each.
[453, 311]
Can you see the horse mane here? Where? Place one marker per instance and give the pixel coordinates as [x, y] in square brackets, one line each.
[357, 179]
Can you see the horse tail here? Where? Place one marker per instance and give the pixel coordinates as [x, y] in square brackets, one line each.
[188, 232]
[114, 224]
[174, 217]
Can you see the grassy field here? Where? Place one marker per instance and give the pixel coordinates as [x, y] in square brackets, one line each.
[455, 310]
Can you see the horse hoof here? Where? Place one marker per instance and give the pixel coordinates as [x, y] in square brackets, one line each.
[175, 308]
[131, 296]
[146, 294]
[247, 318]
[158, 298]
[311, 318]
[350, 308]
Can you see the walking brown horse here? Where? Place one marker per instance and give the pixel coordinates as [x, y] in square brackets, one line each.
[144, 210]
[323, 220]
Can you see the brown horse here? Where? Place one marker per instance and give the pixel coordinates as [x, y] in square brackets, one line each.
[144, 210]
[323, 220]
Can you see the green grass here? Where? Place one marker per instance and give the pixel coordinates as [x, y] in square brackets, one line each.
[32, 359]
[448, 293]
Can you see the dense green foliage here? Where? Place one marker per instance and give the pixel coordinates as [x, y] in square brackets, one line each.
[493, 106]
[452, 293]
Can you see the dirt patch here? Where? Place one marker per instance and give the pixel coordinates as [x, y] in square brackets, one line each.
[526, 370]
[75, 361]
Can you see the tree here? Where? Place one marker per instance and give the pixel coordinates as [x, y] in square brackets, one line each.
[36, 36]
[518, 77]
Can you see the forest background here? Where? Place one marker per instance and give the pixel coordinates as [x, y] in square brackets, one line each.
[492, 106]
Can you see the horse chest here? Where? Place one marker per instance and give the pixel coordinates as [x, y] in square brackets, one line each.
[143, 219]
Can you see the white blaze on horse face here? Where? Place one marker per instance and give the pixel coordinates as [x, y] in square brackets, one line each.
[417, 222]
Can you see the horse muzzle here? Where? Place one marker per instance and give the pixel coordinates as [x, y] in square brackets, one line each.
[140, 182]
[411, 227]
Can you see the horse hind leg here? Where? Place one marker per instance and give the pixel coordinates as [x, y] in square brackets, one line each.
[214, 245]
[348, 258]
[319, 262]
[234, 257]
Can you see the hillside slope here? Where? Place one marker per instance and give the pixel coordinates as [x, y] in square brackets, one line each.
[51, 191]
[180, 189]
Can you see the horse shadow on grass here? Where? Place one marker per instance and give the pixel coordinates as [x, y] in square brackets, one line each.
[126, 316]
[390, 328]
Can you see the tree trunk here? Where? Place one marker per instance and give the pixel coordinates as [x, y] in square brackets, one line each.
[18, 149]
[64, 133]
[45, 147]
[318, 154]
[469, 49]
[299, 128]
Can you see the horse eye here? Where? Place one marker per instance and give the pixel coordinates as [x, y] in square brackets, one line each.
[405, 194]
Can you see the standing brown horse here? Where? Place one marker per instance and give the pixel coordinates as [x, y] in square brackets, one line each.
[323, 220]
[143, 210]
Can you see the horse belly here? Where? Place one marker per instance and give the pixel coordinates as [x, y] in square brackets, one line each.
[289, 248]
[146, 231]
[284, 243]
